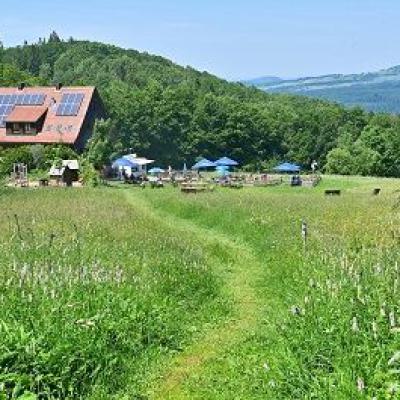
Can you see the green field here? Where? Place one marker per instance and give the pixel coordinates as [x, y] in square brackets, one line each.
[124, 293]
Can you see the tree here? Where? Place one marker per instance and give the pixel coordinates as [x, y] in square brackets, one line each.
[100, 149]
[174, 114]
[340, 161]
[54, 38]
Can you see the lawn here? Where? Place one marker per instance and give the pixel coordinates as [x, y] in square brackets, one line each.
[127, 293]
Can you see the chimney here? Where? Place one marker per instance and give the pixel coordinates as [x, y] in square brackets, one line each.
[21, 86]
[59, 86]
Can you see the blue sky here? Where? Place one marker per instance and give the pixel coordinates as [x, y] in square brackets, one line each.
[234, 39]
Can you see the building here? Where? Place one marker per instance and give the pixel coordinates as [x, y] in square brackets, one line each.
[49, 115]
[67, 172]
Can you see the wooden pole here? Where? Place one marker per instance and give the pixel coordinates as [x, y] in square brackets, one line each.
[304, 234]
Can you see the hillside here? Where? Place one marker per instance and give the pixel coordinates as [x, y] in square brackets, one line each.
[175, 114]
[114, 293]
[376, 91]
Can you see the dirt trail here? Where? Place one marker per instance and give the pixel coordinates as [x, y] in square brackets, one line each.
[239, 283]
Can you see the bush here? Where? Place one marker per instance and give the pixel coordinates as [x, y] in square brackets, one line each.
[15, 155]
[340, 161]
[89, 175]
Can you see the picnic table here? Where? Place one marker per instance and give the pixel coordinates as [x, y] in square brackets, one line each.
[333, 192]
[195, 187]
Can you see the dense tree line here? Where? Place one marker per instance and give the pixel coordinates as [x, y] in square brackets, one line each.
[175, 114]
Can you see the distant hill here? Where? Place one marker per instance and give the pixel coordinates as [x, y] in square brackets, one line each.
[374, 91]
[265, 80]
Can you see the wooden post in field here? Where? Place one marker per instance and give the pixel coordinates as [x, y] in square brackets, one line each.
[304, 233]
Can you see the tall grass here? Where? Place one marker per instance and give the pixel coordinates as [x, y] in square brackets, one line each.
[96, 292]
[330, 327]
[92, 293]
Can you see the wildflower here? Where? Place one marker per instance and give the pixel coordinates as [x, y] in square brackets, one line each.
[85, 323]
[394, 358]
[272, 383]
[378, 269]
[393, 388]
[360, 384]
[375, 330]
[354, 325]
[392, 319]
[89, 323]
[382, 310]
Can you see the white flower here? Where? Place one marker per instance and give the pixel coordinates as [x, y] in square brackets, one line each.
[395, 357]
[393, 388]
[354, 325]
[392, 319]
[360, 385]
[375, 329]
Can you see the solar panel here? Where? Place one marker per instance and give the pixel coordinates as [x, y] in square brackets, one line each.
[9, 101]
[32, 99]
[70, 104]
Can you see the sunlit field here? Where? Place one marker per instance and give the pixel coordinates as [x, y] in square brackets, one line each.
[122, 293]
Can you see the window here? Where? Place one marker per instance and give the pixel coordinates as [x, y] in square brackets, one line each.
[29, 128]
[17, 128]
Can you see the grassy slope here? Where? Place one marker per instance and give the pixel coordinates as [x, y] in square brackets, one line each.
[250, 241]
[94, 292]
[265, 224]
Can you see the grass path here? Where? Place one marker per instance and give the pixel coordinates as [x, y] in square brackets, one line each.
[239, 279]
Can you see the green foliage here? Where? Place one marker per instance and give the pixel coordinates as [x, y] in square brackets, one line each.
[100, 149]
[93, 293]
[89, 175]
[340, 161]
[12, 76]
[36, 157]
[56, 153]
[174, 114]
[326, 324]
[21, 154]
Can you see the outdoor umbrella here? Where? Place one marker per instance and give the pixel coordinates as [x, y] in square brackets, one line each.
[203, 164]
[227, 162]
[287, 168]
[156, 171]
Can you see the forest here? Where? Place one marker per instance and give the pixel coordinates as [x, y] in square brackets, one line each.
[176, 114]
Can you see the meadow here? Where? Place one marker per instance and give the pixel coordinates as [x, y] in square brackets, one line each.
[123, 293]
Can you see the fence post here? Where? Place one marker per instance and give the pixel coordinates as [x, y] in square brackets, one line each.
[304, 233]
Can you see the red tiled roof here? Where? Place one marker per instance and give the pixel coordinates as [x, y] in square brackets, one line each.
[56, 129]
[26, 114]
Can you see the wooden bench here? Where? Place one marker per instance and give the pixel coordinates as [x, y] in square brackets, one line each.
[333, 192]
[192, 187]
